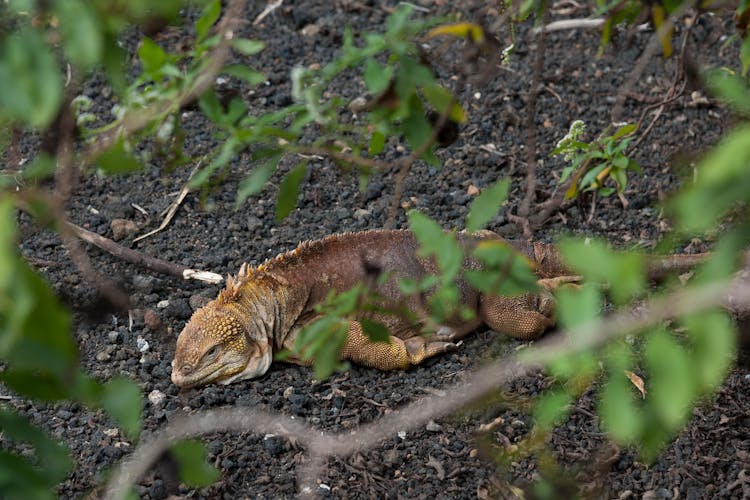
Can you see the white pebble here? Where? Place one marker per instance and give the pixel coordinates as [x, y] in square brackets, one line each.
[142, 344]
[156, 397]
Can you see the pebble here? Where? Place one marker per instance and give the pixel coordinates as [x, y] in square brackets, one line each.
[432, 426]
[103, 356]
[122, 228]
[273, 444]
[362, 214]
[162, 304]
[113, 336]
[179, 308]
[142, 344]
[112, 433]
[197, 301]
[152, 320]
[143, 283]
[156, 398]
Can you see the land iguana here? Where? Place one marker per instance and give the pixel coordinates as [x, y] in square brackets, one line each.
[261, 310]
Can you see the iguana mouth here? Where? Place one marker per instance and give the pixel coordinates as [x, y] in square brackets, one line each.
[198, 378]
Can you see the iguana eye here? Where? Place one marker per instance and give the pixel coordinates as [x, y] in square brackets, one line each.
[211, 352]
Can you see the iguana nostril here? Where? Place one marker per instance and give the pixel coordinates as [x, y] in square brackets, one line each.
[186, 369]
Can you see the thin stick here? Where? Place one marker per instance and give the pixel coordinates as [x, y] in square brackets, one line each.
[143, 260]
[525, 207]
[173, 208]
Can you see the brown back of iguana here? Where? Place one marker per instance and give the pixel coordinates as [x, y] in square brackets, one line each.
[262, 310]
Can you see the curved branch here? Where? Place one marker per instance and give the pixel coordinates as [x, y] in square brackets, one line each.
[734, 294]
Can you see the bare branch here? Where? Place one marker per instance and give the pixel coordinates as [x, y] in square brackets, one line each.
[734, 294]
[525, 207]
[143, 260]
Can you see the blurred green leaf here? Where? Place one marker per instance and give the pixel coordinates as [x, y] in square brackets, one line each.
[486, 205]
[506, 271]
[621, 418]
[83, 41]
[713, 338]
[254, 183]
[376, 331]
[377, 77]
[551, 408]
[625, 273]
[195, 471]
[209, 16]
[434, 241]
[576, 306]
[248, 47]
[730, 88]
[19, 480]
[117, 160]
[153, 58]
[29, 78]
[248, 75]
[122, 400]
[671, 389]
[417, 130]
[286, 200]
[440, 98]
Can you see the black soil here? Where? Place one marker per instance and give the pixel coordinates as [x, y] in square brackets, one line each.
[710, 458]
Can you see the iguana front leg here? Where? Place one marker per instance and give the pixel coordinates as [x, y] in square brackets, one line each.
[393, 355]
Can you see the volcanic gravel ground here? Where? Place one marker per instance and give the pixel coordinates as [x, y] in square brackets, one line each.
[710, 458]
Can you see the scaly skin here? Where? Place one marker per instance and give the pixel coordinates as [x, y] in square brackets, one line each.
[261, 310]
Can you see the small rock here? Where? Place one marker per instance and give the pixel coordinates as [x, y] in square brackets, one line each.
[103, 356]
[401, 434]
[288, 392]
[324, 490]
[142, 344]
[122, 228]
[253, 223]
[143, 283]
[113, 336]
[162, 304]
[179, 308]
[152, 320]
[274, 445]
[156, 398]
[361, 214]
[112, 433]
[432, 426]
[197, 301]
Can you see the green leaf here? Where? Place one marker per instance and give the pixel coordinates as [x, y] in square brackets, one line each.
[19, 480]
[323, 340]
[286, 200]
[117, 160]
[375, 331]
[377, 78]
[440, 98]
[30, 79]
[551, 408]
[730, 88]
[713, 339]
[153, 58]
[624, 272]
[209, 16]
[244, 73]
[248, 47]
[671, 383]
[211, 107]
[377, 142]
[624, 130]
[113, 60]
[41, 168]
[576, 306]
[434, 241]
[486, 205]
[621, 418]
[254, 183]
[195, 471]
[122, 400]
[506, 271]
[83, 42]
[417, 130]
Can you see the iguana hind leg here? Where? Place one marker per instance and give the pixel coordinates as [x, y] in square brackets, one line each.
[523, 317]
[393, 355]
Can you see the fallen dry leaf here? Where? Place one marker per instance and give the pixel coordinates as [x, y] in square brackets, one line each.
[636, 381]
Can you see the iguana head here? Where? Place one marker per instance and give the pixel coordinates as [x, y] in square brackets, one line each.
[221, 343]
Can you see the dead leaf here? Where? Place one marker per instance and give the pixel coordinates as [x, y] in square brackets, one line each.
[637, 382]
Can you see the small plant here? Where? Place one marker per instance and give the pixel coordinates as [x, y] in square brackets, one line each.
[593, 163]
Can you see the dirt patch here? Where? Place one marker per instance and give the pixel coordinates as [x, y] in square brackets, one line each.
[710, 458]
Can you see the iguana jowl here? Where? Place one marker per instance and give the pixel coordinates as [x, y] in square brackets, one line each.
[261, 310]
